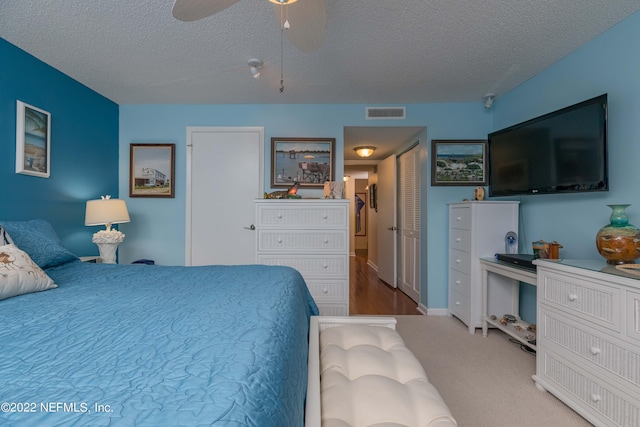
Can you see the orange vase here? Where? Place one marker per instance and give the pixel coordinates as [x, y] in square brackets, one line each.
[619, 241]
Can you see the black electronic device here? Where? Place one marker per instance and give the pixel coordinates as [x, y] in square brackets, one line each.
[561, 152]
[521, 260]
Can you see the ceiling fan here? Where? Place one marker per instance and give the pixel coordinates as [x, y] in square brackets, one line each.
[305, 21]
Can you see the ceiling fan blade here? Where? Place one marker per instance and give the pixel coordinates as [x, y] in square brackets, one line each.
[192, 10]
[308, 22]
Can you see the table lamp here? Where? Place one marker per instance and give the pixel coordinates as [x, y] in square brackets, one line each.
[107, 211]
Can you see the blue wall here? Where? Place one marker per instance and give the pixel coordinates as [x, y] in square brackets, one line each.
[157, 225]
[84, 148]
[608, 64]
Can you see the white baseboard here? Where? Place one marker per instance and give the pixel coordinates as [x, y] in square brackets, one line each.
[372, 265]
[437, 312]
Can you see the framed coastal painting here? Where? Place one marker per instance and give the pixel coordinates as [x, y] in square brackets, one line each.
[308, 161]
[152, 170]
[458, 162]
[33, 141]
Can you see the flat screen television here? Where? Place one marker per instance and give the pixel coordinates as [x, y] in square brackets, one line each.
[561, 152]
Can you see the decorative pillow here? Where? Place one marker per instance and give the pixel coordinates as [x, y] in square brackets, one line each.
[39, 240]
[19, 274]
[5, 239]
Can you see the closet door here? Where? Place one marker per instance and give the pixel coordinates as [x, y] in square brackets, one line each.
[409, 204]
[224, 177]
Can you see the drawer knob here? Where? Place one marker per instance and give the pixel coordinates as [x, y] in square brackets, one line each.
[458, 261]
[279, 239]
[326, 240]
[573, 297]
[596, 397]
[325, 266]
[279, 216]
[458, 303]
[325, 291]
[325, 216]
[458, 218]
[457, 282]
[595, 351]
[458, 240]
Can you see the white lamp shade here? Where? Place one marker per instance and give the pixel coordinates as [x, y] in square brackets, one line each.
[106, 211]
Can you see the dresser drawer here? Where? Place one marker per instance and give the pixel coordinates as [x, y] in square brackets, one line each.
[594, 347]
[460, 261]
[289, 240]
[460, 239]
[459, 306]
[633, 315]
[302, 216]
[310, 265]
[460, 217]
[581, 297]
[328, 290]
[459, 282]
[610, 405]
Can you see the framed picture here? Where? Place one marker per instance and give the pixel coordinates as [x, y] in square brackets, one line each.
[458, 162]
[361, 214]
[33, 141]
[306, 160]
[152, 170]
[373, 196]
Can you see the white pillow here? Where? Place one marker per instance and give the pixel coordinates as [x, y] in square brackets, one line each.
[19, 274]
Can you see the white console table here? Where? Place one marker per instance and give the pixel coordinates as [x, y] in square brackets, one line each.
[518, 274]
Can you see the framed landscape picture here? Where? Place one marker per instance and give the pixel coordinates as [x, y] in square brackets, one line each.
[308, 161]
[33, 141]
[152, 170]
[458, 162]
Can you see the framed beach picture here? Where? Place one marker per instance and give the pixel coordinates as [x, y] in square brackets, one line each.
[308, 161]
[458, 162]
[152, 170]
[33, 141]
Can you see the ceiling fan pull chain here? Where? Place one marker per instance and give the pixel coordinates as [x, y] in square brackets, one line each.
[281, 60]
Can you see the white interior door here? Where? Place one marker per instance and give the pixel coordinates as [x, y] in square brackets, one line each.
[409, 210]
[387, 223]
[224, 177]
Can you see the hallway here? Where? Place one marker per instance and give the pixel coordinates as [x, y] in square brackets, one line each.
[369, 295]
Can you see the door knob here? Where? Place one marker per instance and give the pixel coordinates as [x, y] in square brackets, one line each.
[392, 228]
[251, 227]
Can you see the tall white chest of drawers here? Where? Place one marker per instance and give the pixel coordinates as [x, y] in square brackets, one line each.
[478, 230]
[588, 339]
[312, 236]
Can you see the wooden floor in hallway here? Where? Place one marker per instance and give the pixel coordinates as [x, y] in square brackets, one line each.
[370, 295]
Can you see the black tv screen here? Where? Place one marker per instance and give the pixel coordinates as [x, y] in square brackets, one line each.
[561, 152]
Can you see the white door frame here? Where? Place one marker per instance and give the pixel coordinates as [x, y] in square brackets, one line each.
[211, 129]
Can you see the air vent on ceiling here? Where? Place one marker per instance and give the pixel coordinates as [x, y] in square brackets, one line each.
[377, 113]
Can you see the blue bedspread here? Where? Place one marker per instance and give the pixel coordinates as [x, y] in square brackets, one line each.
[125, 345]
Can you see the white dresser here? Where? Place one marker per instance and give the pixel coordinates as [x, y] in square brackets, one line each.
[588, 340]
[477, 230]
[312, 236]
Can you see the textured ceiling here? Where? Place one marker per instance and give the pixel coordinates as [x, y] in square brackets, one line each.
[374, 52]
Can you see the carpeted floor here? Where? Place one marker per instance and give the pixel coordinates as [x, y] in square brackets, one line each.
[486, 381]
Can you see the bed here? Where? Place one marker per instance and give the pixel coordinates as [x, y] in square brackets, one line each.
[124, 345]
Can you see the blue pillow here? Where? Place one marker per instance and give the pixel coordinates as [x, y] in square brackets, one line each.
[40, 241]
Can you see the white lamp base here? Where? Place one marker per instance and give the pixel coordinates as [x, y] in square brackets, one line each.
[108, 242]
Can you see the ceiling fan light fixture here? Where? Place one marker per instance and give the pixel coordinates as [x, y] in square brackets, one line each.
[283, 2]
[254, 67]
[364, 150]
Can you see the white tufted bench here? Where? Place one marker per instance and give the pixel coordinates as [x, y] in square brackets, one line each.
[366, 376]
